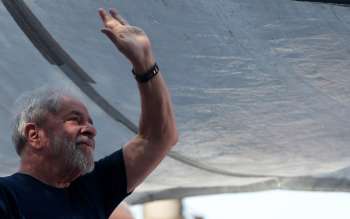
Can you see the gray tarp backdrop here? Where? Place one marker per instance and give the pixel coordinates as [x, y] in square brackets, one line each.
[261, 89]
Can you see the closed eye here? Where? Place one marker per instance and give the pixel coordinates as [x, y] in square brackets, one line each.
[75, 119]
[78, 117]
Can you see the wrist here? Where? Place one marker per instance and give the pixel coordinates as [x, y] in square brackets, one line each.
[142, 67]
[147, 75]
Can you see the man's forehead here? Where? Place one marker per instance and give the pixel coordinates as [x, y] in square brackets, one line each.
[72, 104]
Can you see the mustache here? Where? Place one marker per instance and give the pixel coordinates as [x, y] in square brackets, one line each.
[85, 140]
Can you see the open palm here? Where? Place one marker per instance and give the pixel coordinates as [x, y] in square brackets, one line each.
[130, 40]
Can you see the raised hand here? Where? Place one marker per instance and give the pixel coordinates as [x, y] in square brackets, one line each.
[130, 40]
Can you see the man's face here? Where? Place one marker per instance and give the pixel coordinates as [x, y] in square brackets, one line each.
[70, 136]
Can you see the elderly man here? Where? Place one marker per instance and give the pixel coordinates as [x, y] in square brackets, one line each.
[54, 137]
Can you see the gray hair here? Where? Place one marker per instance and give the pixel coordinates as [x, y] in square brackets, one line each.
[33, 107]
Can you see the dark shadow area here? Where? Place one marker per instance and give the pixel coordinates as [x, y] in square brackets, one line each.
[345, 3]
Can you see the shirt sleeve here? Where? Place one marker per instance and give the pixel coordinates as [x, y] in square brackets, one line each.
[111, 177]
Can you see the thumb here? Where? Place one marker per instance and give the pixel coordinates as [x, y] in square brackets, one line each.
[113, 38]
[109, 34]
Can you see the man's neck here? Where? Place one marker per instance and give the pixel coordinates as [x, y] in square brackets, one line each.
[47, 172]
[45, 180]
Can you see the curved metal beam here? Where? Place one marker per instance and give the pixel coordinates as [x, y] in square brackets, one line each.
[345, 3]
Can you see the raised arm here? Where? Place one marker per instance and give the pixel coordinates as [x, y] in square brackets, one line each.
[157, 128]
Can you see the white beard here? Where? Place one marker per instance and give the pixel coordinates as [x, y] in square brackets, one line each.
[71, 155]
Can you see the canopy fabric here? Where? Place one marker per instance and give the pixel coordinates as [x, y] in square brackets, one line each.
[260, 88]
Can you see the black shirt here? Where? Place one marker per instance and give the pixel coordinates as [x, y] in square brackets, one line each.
[94, 195]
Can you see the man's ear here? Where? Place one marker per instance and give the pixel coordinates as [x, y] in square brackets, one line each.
[31, 131]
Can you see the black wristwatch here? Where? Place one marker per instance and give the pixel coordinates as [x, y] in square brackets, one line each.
[143, 78]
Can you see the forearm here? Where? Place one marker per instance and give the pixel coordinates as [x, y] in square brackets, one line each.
[157, 120]
[157, 129]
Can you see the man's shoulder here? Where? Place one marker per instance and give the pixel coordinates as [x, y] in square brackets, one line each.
[12, 182]
[6, 190]
[8, 202]
[7, 180]
[8, 184]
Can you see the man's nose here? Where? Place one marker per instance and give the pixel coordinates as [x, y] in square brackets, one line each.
[88, 130]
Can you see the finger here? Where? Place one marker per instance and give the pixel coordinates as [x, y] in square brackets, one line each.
[103, 14]
[109, 34]
[113, 35]
[106, 18]
[116, 15]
